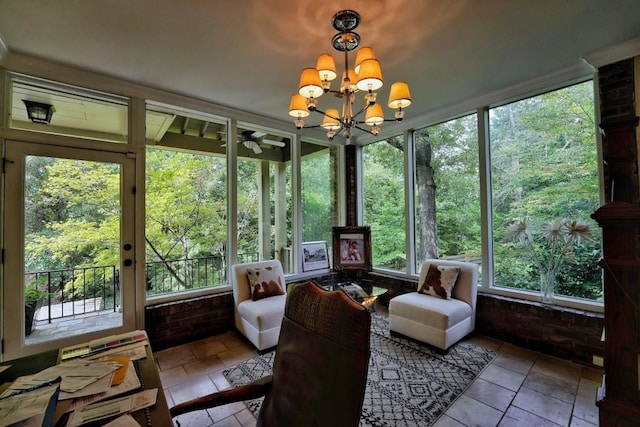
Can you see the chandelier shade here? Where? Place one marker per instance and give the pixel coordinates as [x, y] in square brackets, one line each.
[370, 75]
[298, 106]
[399, 96]
[362, 54]
[310, 83]
[330, 120]
[326, 67]
[364, 75]
[374, 115]
[352, 81]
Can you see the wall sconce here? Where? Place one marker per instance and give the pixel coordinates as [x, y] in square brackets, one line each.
[39, 112]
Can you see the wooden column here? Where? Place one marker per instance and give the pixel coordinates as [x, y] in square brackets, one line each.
[619, 398]
[351, 190]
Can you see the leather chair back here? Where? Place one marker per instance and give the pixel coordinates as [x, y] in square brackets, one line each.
[321, 363]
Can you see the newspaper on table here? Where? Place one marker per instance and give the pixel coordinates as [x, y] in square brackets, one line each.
[112, 408]
[35, 406]
[131, 382]
[75, 376]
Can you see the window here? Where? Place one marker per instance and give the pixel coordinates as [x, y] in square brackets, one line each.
[383, 204]
[543, 171]
[447, 191]
[319, 203]
[264, 197]
[186, 201]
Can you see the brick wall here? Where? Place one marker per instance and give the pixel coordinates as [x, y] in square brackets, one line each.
[174, 323]
[563, 332]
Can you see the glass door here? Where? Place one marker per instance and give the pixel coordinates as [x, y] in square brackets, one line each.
[68, 245]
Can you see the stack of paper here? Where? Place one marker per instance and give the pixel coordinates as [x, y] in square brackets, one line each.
[89, 380]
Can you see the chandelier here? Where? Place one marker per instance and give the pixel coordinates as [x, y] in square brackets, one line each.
[365, 76]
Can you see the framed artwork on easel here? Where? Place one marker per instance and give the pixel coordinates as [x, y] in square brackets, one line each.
[352, 247]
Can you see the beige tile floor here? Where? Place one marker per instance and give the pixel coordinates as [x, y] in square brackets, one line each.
[519, 388]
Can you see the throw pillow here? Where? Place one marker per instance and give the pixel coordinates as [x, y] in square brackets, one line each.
[264, 282]
[440, 281]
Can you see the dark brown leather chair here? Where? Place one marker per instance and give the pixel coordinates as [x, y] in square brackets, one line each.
[320, 367]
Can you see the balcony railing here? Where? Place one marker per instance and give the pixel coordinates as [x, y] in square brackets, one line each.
[75, 291]
[165, 277]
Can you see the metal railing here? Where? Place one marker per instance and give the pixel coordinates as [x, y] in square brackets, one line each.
[75, 291]
[170, 276]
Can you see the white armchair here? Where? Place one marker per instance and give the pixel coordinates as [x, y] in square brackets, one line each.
[434, 320]
[259, 320]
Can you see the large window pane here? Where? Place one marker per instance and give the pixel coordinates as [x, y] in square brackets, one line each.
[384, 210]
[447, 191]
[264, 197]
[186, 201]
[543, 174]
[318, 176]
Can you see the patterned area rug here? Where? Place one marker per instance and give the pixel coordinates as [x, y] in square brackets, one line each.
[408, 383]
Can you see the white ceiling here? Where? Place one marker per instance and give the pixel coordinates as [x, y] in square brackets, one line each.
[248, 54]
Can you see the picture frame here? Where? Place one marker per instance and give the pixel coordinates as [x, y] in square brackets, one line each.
[352, 248]
[314, 255]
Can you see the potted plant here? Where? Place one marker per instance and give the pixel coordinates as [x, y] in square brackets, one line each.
[549, 247]
[33, 298]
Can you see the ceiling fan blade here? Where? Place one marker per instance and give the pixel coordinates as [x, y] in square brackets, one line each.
[273, 142]
[252, 145]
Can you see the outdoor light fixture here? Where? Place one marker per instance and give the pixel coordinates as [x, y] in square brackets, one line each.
[365, 76]
[39, 112]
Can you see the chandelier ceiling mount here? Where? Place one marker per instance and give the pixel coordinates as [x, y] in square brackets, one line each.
[365, 76]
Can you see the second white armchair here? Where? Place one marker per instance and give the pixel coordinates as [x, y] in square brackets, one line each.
[259, 306]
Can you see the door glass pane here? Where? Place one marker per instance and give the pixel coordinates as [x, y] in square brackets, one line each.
[72, 215]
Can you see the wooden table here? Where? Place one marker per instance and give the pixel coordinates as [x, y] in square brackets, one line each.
[156, 415]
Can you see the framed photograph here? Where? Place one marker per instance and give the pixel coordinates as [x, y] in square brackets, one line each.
[352, 248]
[314, 256]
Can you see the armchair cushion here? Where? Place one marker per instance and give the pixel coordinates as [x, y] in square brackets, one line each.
[264, 314]
[265, 282]
[428, 310]
[439, 281]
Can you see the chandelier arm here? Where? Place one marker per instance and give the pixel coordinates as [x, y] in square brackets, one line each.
[317, 110]
[362, 129]
[360, 112]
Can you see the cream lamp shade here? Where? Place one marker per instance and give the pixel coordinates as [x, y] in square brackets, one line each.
[310, 84]
[326, 67]
[374, 115]
[330, 121]
[362, 54]
[399, 96]
[370, 75]
[352, 81]
[298, 106]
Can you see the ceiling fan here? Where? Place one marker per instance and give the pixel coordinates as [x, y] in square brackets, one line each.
[252, 140]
